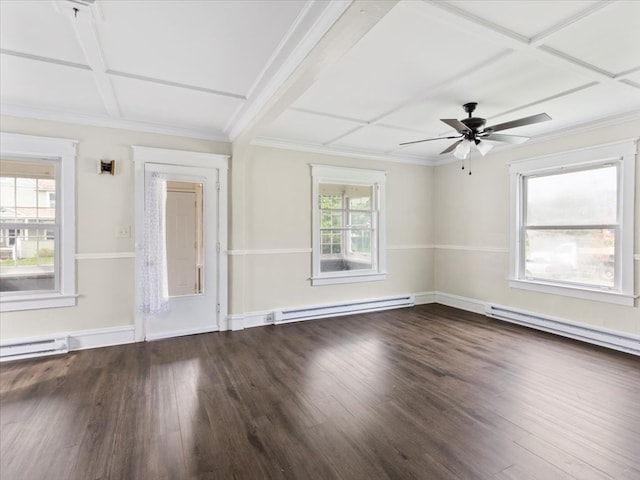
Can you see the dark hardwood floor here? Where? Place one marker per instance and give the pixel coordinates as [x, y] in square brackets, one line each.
[429, 392]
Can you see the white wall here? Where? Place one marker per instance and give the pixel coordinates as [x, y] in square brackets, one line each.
[105, 285]
[270, 201]
[271, 230]
[471, 218]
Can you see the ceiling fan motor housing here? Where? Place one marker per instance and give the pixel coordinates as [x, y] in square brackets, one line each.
[474, 123]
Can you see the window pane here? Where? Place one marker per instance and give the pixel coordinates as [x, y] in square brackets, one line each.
[7, 196]
[336, 219]
[26, 196]
[585, 256]
[360, 219]
[360, 203]
[26, 259]
[587, 197]
[28, 226]
[328, 202]
[361, 242]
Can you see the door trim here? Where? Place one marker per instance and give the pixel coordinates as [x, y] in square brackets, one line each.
[181, 158]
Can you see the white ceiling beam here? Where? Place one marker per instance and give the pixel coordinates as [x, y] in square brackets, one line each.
[82, 21]
[309, 28]
[360, 17]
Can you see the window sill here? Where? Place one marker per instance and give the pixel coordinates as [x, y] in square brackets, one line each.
[352, 278]
[34, 302]
[585, 293]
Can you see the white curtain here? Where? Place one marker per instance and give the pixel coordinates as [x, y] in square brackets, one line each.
[154, 291]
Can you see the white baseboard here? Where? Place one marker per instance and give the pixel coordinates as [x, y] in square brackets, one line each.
[250, 320]
[624, 342]
[463, 303]
[101, 337]
[180, 333]
[78, 340]
[423, 298]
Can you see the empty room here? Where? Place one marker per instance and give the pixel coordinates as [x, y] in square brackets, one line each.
[319, 239]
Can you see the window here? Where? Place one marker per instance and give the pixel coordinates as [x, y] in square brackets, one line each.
[37, 237]
[573, 223]
[348, 225]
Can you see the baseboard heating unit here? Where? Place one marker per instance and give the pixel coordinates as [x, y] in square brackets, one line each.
[337, 309]
[34, 348]
[598, 336]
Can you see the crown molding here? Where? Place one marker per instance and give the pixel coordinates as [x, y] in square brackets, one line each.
[108, 122]
[433, 162]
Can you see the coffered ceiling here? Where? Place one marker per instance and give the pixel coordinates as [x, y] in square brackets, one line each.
[355, 77]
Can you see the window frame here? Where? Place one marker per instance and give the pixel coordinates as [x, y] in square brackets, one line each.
[61, 152]
[621, 154]
[325, 174]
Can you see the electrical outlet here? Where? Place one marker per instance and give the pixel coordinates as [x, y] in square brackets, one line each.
[123, 231]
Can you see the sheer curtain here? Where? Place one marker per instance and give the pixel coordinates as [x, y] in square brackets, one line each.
[154, 291]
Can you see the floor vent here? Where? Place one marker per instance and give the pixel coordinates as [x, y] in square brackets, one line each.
[599, 336]
[323, 311]
[34, 348]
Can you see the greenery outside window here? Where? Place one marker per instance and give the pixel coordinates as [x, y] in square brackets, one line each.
[348, 225]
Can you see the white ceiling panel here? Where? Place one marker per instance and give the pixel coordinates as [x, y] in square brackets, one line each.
[408, 52]
[634, 78]
[308, 127]
[48, 85]
[357, 76]
[524, 17]
[171, 106]
[518, 79]
[597, 102]
[426, 150]
[221, 45]
[608, 39]
[37, 28]
[376, 138]
[422, 118]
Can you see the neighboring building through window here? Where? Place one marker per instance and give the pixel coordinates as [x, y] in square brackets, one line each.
[573, 223]
[37, 236]
[348, 225]
[28, 226]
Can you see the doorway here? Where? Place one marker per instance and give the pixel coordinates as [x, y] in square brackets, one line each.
[185, 270]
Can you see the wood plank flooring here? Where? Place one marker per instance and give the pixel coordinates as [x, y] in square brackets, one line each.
[429, 392]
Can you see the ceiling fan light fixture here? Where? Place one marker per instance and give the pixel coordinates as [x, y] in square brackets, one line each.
[462, 150]
[484, 148]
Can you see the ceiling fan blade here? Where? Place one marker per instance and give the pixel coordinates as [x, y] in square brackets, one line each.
[428, 140]
[541, 117]
[452, 147]
[499, 137]
[456, 124]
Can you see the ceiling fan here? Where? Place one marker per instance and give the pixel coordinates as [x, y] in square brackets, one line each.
[472, 131]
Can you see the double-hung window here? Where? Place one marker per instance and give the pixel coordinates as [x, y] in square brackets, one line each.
[348, 225]
[37, 217]
[573, 223]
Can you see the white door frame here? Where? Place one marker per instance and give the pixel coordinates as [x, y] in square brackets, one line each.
[180, 158]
